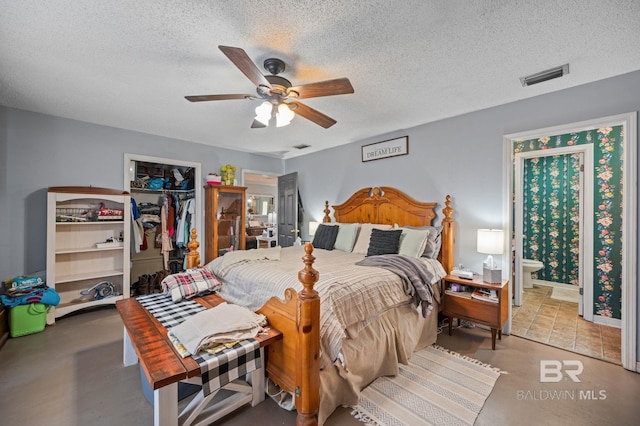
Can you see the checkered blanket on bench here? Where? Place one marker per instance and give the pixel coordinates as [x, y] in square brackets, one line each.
[216, 369]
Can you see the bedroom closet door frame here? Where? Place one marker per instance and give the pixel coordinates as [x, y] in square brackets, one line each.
[585, 230]
[629, 308]
[129, 171]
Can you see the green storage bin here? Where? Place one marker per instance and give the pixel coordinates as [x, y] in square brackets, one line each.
[27, 319]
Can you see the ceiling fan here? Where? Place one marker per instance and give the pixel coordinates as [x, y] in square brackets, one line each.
[278, 94]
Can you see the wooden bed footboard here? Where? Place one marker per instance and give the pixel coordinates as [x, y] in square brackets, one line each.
[294, 361]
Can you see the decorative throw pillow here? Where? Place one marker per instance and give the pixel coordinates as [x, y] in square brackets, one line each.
[413, 241]
[384, 242]
[325, 236]
[190, 283]
[434, 242]
[362, 242]
[346, 236]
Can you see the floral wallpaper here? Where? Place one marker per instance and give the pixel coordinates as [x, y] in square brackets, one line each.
[551, 216]
[607, 210]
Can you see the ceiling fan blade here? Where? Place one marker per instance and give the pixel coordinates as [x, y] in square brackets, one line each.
[312, 114]
[241, 60]
[339, 86]
[200, 98]
[257, 125]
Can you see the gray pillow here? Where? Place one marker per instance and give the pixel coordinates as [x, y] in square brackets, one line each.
[413, 242]
[434, 241]
[347, 234]
[325, 237]
[384, 242]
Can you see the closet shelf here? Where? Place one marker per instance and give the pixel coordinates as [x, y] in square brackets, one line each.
[161, 191]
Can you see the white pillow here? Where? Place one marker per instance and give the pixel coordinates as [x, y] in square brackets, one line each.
[362, 243]
[347, 234]
[413, 242]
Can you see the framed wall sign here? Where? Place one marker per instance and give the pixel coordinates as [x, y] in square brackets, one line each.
[385, 149]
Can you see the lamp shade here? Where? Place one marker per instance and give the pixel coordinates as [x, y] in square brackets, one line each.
[490, 241]
[263, 112]
[284, 115]
[313, 227]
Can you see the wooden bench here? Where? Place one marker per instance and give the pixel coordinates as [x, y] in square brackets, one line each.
[146, 342]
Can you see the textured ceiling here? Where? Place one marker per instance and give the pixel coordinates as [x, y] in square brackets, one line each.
[129, 64]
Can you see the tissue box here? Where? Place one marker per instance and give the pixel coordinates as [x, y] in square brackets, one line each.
[492, 276]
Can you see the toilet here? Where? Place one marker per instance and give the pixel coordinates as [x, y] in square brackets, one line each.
[529, 266]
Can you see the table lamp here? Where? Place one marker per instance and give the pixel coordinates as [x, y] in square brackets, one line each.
[313, 227]
[490, 242]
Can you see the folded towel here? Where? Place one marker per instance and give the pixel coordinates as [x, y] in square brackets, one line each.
[221, 324]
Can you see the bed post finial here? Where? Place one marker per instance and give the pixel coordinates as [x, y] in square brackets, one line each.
[326, 218]
[307, 389]
[193, 257]
[448, 235]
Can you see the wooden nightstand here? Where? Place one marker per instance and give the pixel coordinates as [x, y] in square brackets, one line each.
[462, 305]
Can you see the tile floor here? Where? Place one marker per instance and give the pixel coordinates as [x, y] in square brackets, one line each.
[557, 323]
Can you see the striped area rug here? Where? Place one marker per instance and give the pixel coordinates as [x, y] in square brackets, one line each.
[438, 387]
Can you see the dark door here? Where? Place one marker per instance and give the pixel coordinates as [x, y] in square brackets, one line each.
[287, 209]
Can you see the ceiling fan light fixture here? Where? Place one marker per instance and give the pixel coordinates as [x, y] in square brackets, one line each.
[284, 115]
[263, 112]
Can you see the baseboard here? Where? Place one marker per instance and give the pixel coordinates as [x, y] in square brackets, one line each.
[553, 284]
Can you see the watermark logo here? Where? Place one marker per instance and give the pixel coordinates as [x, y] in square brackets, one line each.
[555, 371]
[551, 370]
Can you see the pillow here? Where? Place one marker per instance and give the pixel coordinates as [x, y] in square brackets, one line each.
[347, 234]
[325, 236]
[384, 242]
[434, 242]
[362, 242]
[413, 242]
[190, 283]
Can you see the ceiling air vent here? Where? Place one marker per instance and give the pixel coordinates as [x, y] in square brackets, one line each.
[545, 75]
[301, 146]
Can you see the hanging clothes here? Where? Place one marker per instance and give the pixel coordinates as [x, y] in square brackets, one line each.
[167, 246]
[137, 231]
[184, 226]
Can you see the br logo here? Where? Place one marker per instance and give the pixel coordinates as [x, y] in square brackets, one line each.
[551, 370]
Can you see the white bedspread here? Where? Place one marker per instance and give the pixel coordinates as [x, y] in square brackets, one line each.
[350, 295]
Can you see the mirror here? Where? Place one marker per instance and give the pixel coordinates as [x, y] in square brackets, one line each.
[259, 207]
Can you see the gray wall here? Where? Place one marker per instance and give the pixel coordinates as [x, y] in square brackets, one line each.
[461, 156]
[39, 151]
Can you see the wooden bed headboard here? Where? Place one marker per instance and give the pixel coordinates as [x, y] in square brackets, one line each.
[387, 205]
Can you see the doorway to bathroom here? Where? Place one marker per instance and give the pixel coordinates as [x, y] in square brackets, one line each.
[553, 206]
[553, 213]
[607, 234]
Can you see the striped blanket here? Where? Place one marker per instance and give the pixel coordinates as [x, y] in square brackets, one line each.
[349, 294]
